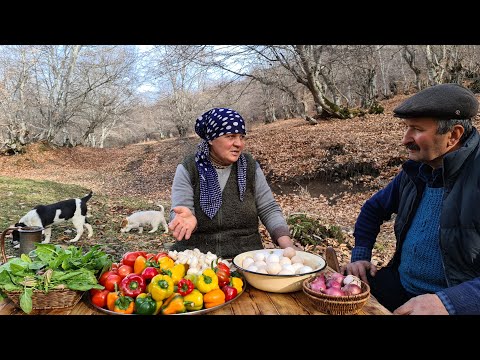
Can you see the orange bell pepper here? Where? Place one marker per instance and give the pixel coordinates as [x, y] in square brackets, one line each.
[111, 298]
[174, 304]
[213, 298]
[124, 305]
[139, 264]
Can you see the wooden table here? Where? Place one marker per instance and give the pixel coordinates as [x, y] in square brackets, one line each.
[251, 302]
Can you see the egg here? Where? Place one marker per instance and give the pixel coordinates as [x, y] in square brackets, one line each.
[278, 252]
[252, 268]
[289, 268]
[297, 259]
[286, 272]
[285, 260]
[260, 264]
[273, 268]
[259, 256]
[297, 266]
[304, 269]
[273, 258]
[289, 252]
[247, 262]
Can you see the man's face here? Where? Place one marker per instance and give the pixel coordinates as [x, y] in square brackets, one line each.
[423, 143]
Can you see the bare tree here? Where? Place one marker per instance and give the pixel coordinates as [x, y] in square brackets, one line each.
[436, 59]
[180, 80]
[15, 63]
[409, 53]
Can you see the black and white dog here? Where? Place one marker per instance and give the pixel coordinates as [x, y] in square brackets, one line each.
[48, 215]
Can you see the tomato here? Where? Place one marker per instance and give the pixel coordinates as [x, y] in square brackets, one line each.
[99, 297]
[111, 280]
[150, 256]
[223, 274]
[124, 270]
[129, 257]
[104, 276]
[114, 266]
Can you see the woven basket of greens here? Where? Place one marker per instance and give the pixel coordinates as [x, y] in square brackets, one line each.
[52, 277]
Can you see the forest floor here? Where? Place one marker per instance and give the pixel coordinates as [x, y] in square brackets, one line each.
[350, 159]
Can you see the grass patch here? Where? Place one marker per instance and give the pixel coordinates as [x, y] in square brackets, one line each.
[310, 231]
[105, 214]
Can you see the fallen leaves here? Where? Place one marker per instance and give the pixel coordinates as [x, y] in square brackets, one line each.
[364, 151]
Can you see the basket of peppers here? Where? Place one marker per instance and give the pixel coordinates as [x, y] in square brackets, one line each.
[155, 284]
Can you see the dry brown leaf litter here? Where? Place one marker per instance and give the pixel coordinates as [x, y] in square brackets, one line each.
[287, 150]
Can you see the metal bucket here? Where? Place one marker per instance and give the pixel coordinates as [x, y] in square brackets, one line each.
[29, 235]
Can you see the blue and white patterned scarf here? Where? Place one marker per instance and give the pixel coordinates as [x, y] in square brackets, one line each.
[212, 124]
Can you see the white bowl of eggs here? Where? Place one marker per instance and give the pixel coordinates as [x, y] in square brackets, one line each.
[278, 270]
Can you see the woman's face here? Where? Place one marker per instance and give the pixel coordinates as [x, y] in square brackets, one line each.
[424, 144]
[226, 149]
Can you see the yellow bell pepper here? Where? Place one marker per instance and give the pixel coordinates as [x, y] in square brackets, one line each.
[237, 283]
[161, 287]
[213, 298]
[174, 305]
[165, 263]
[194, 300]
[176, 272]
[208, 281]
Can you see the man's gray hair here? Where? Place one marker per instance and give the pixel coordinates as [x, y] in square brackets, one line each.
[445, 126]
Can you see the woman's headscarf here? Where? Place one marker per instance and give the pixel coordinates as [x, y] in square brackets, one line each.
[212, 124]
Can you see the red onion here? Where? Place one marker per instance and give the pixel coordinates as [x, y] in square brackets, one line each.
[337, 277]
[318, 283]
[334, 291]
[352, 289]
[332, 283]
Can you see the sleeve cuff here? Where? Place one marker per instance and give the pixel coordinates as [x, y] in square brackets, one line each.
[446, 302]
[361, 253]
[279, 232]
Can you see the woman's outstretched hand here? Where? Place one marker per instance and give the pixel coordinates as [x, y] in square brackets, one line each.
[183, 224]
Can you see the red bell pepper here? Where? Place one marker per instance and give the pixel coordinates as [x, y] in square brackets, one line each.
[132, 285]
[185, 287]
[148, 273]
[229, 291]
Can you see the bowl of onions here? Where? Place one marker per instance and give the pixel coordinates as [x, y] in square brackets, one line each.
[278, 270]
[336, 294]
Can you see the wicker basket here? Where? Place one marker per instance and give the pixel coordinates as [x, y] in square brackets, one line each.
[54, 299]
[337, 305]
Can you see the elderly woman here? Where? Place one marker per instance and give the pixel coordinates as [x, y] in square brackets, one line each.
[220, 192]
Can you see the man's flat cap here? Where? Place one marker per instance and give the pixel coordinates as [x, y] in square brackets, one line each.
[444, 101]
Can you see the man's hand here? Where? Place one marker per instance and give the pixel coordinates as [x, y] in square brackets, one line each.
[183, 224]
[359, 269]
[427, 304]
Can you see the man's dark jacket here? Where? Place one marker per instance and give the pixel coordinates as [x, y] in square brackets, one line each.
[459, 221]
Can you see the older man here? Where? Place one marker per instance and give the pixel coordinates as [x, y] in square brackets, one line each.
[436, 265]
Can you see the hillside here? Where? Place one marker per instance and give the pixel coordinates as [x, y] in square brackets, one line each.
[352, 158]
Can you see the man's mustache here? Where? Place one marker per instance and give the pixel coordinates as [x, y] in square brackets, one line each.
[412, 146]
